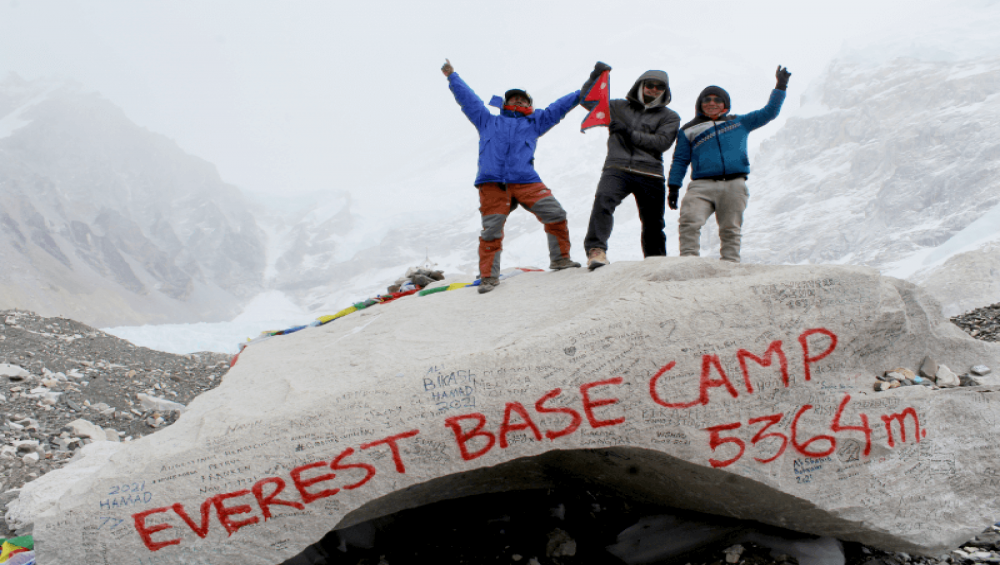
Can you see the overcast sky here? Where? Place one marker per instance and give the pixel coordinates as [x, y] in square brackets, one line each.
[292, 97]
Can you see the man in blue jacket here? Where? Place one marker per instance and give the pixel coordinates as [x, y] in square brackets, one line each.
[507, 174]
[715, 145]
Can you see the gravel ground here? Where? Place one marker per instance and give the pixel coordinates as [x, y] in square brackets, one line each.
[76, 372]
[982, 323]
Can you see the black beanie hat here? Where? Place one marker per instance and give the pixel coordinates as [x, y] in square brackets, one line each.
[712, 90]
[513, 91]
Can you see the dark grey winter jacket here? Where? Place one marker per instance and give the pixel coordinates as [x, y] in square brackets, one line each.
[651, 130]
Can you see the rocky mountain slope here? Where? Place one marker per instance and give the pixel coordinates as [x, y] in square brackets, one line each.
[105, 221]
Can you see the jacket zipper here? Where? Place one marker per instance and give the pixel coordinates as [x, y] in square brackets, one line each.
[631, 151]
[717, 141]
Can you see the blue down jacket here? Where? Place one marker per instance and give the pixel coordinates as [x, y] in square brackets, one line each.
[718, 148]
[507, 142]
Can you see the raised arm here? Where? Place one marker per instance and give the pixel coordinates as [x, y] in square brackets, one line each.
[758, 118]
[472, 105]
[555, 112]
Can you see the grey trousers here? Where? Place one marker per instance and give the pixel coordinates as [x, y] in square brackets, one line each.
[727, 199]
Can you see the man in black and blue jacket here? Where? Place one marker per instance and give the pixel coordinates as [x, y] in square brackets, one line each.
[641, 129]
[715, 145]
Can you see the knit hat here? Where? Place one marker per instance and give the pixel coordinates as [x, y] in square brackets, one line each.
[712, 90]
[513, 91]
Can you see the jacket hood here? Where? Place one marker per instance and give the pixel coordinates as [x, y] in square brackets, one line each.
[717, 91]
[635, 96]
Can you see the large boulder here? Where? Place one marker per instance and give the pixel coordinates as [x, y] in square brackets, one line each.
[739, 390]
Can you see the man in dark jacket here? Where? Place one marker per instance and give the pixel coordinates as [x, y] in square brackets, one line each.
[642, 128]
[507, 172]
[715, 145]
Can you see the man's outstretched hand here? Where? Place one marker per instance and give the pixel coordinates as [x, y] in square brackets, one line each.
[446, 68]
[782, 75]
[594, 75]
[672, 196]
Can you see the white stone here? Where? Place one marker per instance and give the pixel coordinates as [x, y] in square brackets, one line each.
[947, 378]
[980, 370]
[25, 445]
[111, 435]
[7, 370]
[86, 428]
[626, 346]
[156, 403]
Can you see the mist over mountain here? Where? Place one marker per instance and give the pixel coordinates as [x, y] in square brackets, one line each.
[891, 165]
[104, 221]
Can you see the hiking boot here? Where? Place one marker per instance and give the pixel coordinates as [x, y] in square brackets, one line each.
[596, 258]
[487, 284]
[563, 263]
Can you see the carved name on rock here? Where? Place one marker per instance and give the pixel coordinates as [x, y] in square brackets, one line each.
[740, 390]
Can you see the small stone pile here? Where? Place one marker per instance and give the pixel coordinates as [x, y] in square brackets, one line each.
[982, 323]
[415, 277]
[930, 374]
[64, 384]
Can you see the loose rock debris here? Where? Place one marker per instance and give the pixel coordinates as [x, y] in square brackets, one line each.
[64, 384]
[982, 323]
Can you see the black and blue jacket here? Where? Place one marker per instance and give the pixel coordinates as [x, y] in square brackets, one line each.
[717, 149]
[507, 142]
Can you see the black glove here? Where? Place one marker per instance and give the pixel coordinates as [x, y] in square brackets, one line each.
[672, 197]
[599, 68]
[619, 127]
[594, 75]
[782, 75]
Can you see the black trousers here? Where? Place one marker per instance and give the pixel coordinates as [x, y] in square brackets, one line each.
[650, 198]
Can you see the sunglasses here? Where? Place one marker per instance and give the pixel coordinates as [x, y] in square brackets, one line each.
[713, 99]
[655, 86]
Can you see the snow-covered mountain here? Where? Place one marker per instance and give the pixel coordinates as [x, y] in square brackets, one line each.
[892, 165]
[889, 164]
[106, 222]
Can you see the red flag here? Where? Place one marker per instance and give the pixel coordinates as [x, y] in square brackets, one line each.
[597, 101]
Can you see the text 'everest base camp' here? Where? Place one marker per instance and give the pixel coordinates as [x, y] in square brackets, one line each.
[734, 389]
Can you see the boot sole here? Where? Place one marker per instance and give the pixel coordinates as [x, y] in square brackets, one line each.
[595, 265]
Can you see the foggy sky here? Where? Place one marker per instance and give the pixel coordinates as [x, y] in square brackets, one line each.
[293, 97]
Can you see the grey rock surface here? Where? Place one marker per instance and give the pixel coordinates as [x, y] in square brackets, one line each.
[929, 368]
[665, 379]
